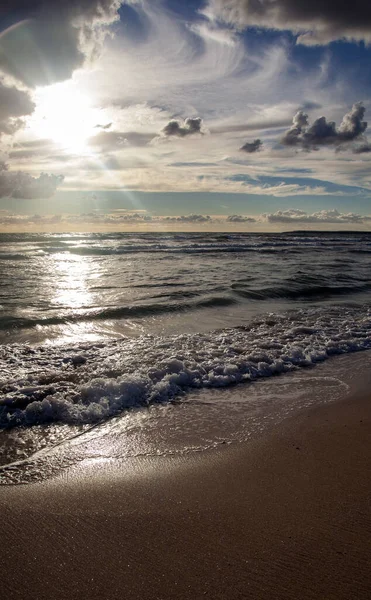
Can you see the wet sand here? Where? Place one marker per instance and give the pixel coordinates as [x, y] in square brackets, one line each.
[285, 517]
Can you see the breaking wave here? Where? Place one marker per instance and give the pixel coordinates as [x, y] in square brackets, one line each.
[115, 313]
[88, 383]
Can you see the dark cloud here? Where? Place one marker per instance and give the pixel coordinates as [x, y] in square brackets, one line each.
[189, 127]
[14, 104]
[310, 105]
[240, 219]
[325, 133]
[17, 184]
[300, 122]
[107, 126]
[190, 218]
[353, 125]
[251, 147]
[324, 216]
[317, 22]
[48, 39]
[362, 149]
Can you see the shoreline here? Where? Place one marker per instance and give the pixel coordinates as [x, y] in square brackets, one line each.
[285, 516]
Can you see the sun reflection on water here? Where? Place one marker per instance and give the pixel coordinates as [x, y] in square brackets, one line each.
[73, 274]
[72, 297]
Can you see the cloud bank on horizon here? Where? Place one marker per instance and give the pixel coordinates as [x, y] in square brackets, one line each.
[254, 97]
[131, 220]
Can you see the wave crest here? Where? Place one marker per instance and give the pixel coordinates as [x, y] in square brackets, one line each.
[89, 383]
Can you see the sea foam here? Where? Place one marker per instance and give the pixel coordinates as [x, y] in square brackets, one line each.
[88, 383]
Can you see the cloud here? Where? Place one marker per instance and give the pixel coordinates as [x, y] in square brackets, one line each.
[193, 164]
[49, 39]
[14, 104]
[111, 140]
[325, 133]
[251, 147]
[190, 218]
[32, 149]
[65, 220]
[12, 219]
[253, 125]
[18, 184]
[266, 117]
[36, 143]
[214, 34]
[362, 149]
[176, 128]
[240, 219]
[310, 105]
[324, 216]
[107, 126]
[111, 218]
[315, 23]
[109, 162]
[128, 219]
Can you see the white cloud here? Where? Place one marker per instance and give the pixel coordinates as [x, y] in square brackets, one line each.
[323, 216]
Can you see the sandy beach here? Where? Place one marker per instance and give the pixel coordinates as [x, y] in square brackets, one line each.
[286, 516]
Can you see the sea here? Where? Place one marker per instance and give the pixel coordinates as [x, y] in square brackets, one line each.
[121, 345]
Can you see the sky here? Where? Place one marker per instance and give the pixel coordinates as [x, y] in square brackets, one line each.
[243, 115]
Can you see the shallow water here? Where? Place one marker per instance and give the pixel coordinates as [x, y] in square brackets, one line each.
[203, 420]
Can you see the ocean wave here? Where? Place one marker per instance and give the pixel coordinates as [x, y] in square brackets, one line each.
[303, 286]
[8, 322]
[301, 292]
[88, 383]
[172, 249]
[117, 244]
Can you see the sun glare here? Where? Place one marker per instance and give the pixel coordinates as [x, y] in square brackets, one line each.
[64, 115]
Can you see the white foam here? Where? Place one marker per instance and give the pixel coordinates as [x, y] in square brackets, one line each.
[89, 383]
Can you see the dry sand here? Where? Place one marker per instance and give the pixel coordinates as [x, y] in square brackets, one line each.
[287, 516]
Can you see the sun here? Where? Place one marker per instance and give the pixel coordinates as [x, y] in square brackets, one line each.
[64, 115]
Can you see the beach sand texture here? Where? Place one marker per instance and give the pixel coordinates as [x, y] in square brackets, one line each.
[286, 516]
